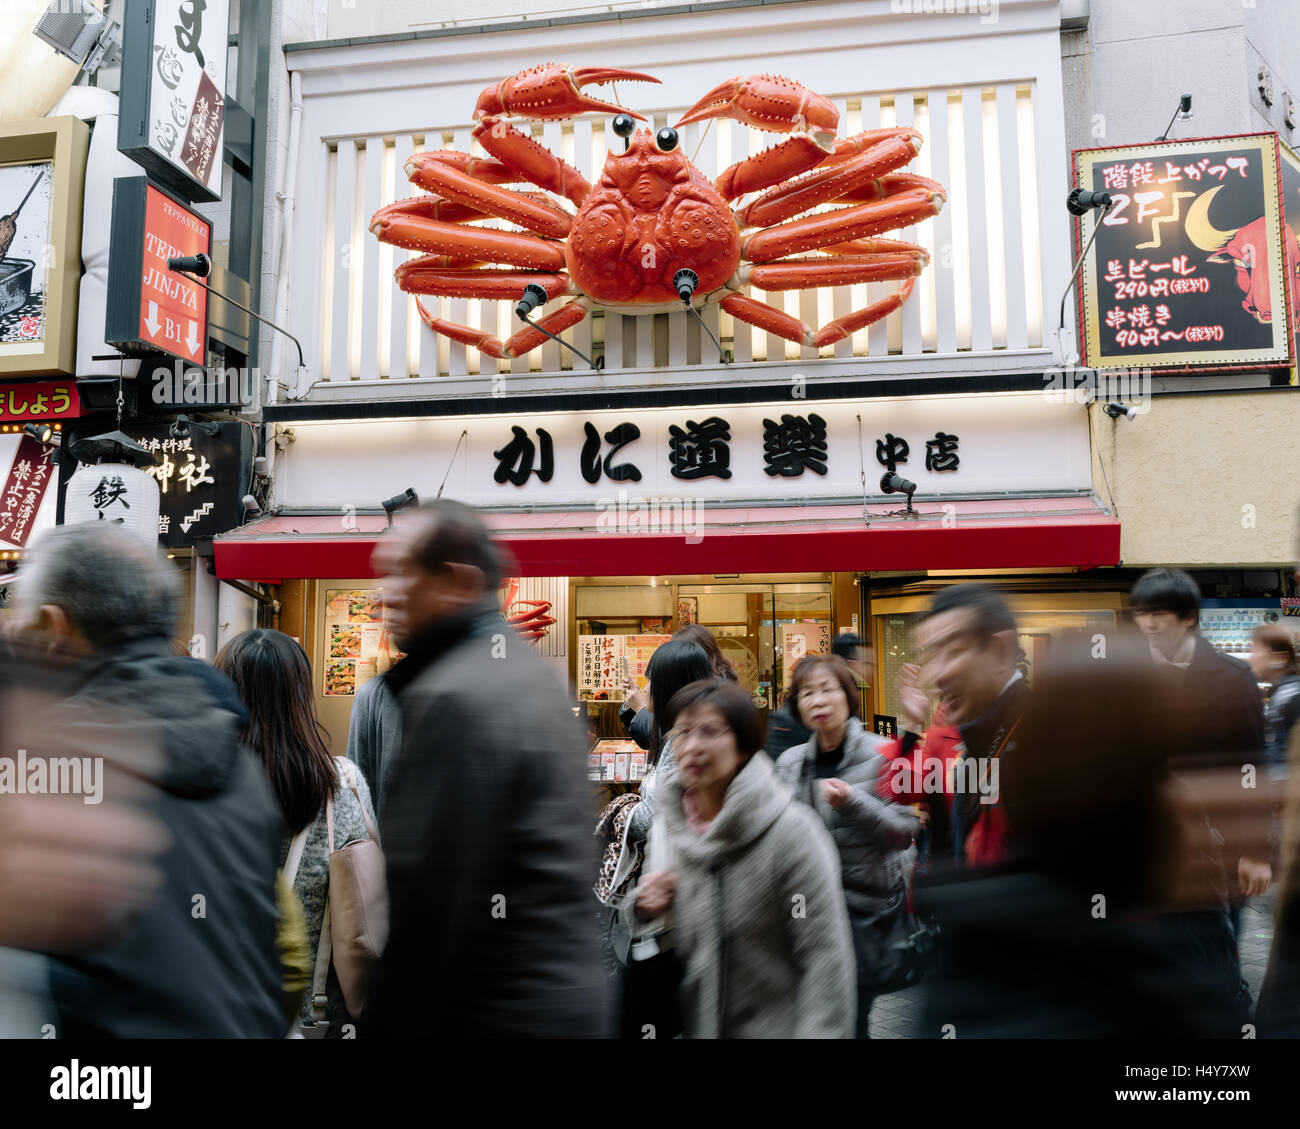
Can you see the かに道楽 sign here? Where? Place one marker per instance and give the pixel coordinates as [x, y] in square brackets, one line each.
[1188, 269]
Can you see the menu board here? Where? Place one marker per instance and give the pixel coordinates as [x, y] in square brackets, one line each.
[1187, 269]
[600, 663]
[616, 760]
[357, 645]
[798, 640]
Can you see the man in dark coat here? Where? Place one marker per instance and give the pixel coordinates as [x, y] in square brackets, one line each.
[160, 736]
[488, 816]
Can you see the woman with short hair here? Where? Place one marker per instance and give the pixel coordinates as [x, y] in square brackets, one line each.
[837, 774]
[752, 882]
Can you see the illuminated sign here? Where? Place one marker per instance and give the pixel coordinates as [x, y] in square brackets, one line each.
[151, 308]
[1187, 267]
[39, 400]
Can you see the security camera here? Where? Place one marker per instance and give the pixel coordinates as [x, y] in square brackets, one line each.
[1128, 411]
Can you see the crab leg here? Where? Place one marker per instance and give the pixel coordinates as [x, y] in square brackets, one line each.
[407, 228]
[463, 188]
[522, 342]
[831, 182]
[531, 160]
[844, 270]
[874, 247]
[768, 318]
[812, 232]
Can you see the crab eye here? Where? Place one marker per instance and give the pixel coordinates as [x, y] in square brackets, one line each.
[624, 125]
[666, 139]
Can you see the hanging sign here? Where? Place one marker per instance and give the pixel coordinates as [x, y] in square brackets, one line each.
[173, 106]
[150, 307]
[201, 479]
[23, 493]
[1188, 267]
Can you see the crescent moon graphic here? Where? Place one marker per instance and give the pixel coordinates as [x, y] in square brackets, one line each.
[1198, 227]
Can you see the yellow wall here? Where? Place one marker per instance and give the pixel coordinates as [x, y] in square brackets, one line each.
[1203, 480]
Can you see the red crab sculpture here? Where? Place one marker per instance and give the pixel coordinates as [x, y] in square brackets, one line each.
[533, 622]
[653, 214]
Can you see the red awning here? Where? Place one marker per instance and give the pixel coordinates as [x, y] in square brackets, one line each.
[1004, 533]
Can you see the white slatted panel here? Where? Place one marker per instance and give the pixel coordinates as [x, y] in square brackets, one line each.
[940, 271]
[950, 302]
[1013, 235]
[345, 173]
[368, 260]
[554, 589]
[399, 349]
[978, 232]
[910, 315]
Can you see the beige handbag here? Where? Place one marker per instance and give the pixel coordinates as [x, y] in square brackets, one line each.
[355, 926]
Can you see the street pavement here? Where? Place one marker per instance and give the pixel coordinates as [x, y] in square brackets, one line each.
[898, 1015]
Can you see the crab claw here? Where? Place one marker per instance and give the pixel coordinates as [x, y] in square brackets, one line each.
[771, 102]
[552, 91]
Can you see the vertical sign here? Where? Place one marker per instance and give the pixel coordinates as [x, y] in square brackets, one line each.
[1291, 234]
[23, 491]
[1187, 267]
[173, 106]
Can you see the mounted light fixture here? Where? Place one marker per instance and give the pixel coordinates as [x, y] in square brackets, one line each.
[897, 484]
[399, 502]
[43, 433]
[1184, 111]
[535, 295]
[181, 428]
[79, 31]
[1115, 411]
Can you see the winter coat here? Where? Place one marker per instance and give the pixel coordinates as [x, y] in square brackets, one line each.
[202, 962]
[758, 915]
[487, 835]
[1281, 712]
[375, 737]
[872, 835]
[783, 733]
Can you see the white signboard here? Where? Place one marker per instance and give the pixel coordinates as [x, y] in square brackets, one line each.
[184, 104]
[950, 446]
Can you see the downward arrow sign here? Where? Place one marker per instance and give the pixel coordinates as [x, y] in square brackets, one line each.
[192, 341]
[152, 320]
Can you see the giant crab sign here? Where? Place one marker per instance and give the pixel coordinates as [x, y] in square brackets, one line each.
[653, 215]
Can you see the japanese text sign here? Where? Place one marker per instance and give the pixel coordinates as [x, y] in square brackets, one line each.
[173, 92]
[1187, 269]
[23, 492]
[39, 400]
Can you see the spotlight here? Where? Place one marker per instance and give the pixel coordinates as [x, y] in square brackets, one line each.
[251, 505]
[896, 484]
[181, 428]
[82, 33]
[1184, 112]
[534, 296]
[407, 498]
[1115, 411]
[199, 264]
[684, 282]
[1081, 201]
[43, 433]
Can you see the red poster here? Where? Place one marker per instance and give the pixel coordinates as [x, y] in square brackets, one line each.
[39, 400]
[24, 490]
[173, 310]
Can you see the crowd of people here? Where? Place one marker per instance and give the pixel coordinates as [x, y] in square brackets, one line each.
[1063, 858]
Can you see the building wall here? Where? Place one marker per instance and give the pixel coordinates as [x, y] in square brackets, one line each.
[1203, 480]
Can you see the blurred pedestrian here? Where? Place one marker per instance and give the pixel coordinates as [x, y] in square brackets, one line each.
[202, 960]
[858, 654]
[375, 736]
[1273, 663]
[487, 827]
[271, 672]
[783, 731]
[1082, 932]
[967, 641]
[836, 774]
[752, 883]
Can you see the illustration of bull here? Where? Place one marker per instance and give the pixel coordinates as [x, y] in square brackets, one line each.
[1247, 249]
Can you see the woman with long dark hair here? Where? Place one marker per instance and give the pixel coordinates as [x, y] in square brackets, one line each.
[273, 678]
